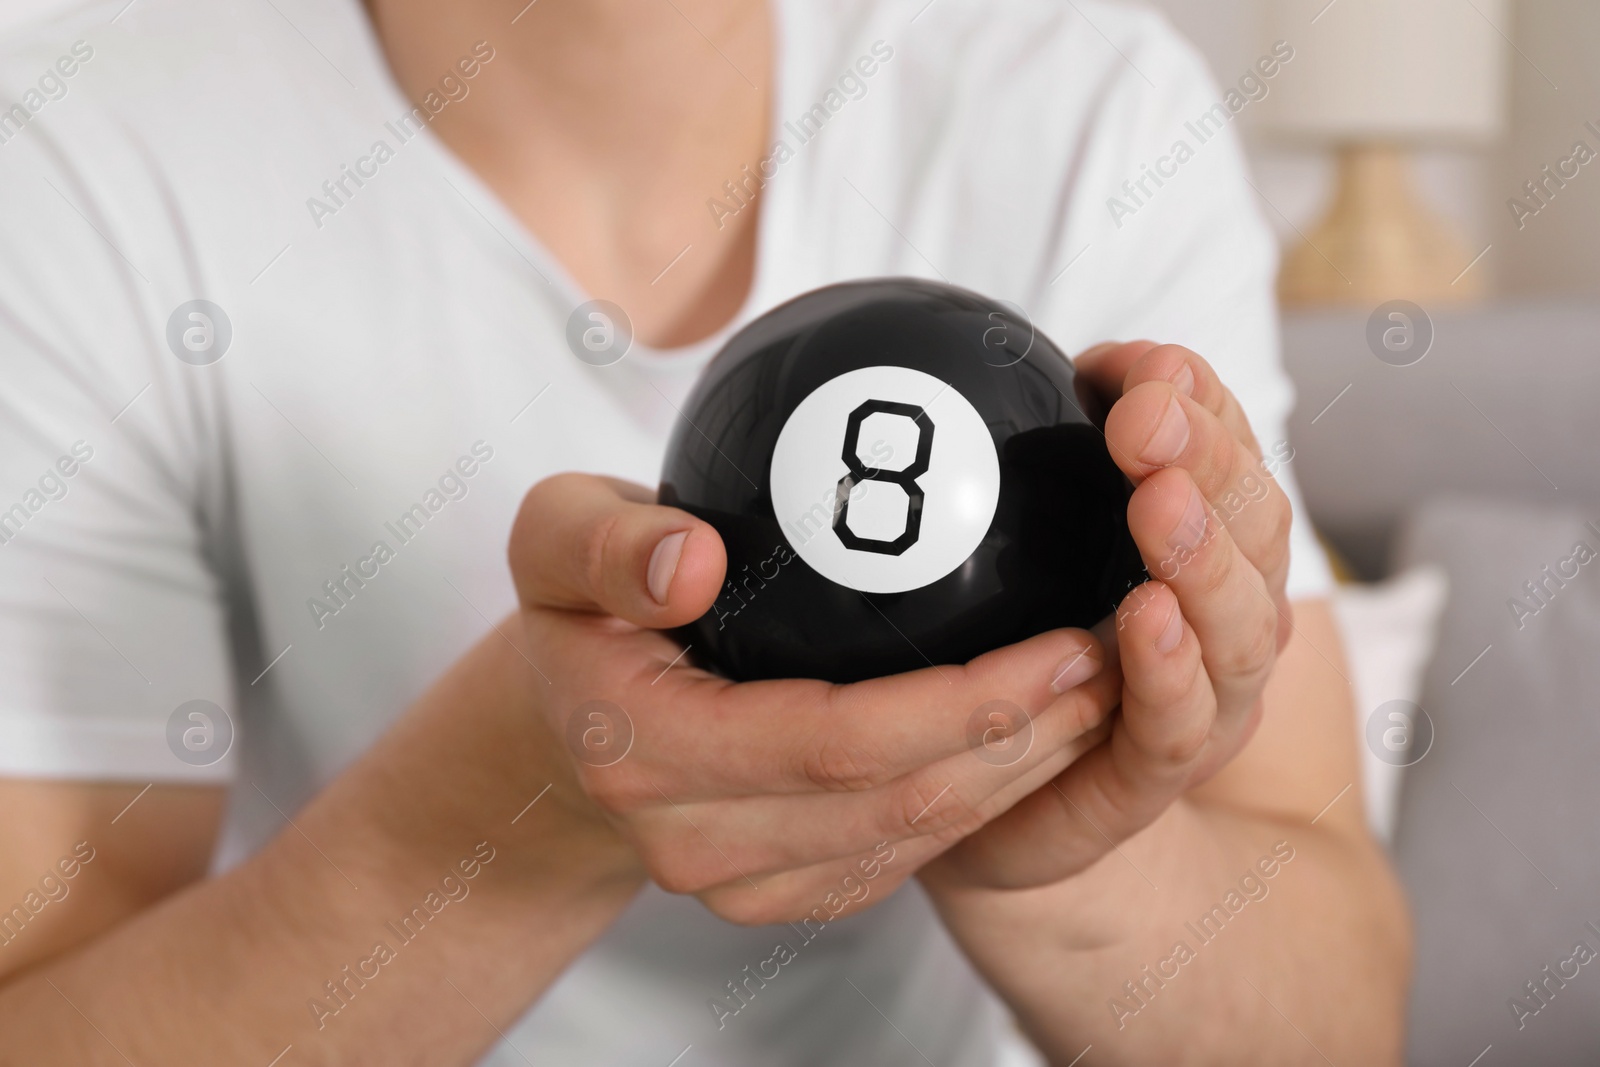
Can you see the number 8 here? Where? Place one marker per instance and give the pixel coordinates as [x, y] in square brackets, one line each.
[906, 478]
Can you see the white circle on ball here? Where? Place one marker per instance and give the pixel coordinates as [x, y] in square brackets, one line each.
[919, 497]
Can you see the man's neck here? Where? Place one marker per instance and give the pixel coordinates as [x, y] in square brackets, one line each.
[601, 74]
[606, 125]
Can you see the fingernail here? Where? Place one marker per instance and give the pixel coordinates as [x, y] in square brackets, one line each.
[1190, 533]
[1183, 381]
[1073, 672]
[1172, 634]
[664, 564]
[1171, 437]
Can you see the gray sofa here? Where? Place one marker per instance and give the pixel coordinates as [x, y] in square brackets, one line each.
[1405, 433]
[1482, 458]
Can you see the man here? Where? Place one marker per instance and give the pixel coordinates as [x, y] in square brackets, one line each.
[285, 313]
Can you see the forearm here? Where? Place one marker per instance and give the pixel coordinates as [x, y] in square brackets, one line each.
[329, 940]
[1149, 958]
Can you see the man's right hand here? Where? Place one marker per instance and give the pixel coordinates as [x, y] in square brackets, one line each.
[759, 797]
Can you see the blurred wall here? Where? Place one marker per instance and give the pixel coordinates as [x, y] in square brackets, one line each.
[1559, 249]
[1555, 89]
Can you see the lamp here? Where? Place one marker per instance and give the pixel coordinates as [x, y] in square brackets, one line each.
[1372, 79]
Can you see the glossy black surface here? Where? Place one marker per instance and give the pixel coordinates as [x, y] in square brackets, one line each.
[1057, 552]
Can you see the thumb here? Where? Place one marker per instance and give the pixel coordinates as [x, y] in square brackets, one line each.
[587, 543]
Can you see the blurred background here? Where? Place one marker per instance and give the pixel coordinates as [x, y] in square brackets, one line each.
[1551, 87]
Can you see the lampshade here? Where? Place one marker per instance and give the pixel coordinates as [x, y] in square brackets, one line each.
[1396, 70]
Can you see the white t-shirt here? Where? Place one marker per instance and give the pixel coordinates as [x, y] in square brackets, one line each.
[396, 372]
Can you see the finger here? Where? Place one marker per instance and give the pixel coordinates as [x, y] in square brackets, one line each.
[814, 896]
[1195, 378]
[1223, 597]
[700, 737]
[689, 847]
[1154, 427]
[1168, 702]
[1106, 366]
[588, 543]
[1119, 787]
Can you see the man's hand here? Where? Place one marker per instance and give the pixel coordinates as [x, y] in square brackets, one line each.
[1195, 784]
[1196, 643]
[764, 799]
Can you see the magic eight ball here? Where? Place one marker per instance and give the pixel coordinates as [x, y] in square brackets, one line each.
[903, 474]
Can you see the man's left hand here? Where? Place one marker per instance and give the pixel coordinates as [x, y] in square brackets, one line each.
[1196, 643]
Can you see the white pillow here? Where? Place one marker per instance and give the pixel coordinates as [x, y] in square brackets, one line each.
[1389, 630]
[1017, 1051]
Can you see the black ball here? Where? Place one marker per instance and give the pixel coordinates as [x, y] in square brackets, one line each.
[904, 474]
